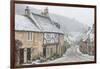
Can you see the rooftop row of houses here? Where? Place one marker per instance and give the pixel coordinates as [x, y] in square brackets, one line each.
[37, 36]
[87, 43]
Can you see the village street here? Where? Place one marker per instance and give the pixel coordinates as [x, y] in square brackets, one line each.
[73, 55]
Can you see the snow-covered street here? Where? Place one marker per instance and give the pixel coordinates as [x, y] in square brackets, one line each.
[73, 55]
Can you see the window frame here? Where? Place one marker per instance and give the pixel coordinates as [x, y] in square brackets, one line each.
[29, 36]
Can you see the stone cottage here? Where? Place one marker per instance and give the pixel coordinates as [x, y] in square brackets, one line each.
[36, 36]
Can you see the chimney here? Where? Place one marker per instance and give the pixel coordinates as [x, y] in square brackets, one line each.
[45, 12]
[27, 11]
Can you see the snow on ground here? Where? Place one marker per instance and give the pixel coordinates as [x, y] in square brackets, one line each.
[85, 55]
[73, 55]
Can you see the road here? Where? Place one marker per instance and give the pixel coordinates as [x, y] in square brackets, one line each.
[73, 55]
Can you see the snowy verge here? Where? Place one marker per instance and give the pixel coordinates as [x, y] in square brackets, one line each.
[84, 55]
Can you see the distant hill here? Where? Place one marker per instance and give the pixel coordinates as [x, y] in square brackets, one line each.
[68, 24]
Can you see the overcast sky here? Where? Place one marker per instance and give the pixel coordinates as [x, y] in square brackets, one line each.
[83, 15]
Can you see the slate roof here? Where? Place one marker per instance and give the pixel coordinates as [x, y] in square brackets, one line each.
[46, 24]
[35, 22]
[22, 23]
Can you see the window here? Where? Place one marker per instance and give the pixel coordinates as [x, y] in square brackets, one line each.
[47, 51]
[50, 38]
[30, 36]
[51, 51]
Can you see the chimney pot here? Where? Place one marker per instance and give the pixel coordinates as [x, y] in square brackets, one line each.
[45, 12]
[27, 11]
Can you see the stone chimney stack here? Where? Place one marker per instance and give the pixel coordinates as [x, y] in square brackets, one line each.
[27, 11]
[45, 12]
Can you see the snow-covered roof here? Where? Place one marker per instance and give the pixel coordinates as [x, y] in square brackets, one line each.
[23, 23]
[89, 34]
[34, 21]
[46, 24]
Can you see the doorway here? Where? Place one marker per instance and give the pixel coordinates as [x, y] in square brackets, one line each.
[44, 51]
[21, 56]
[28, 55]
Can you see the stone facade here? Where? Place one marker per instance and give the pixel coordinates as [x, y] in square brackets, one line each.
[37, 37]
[35, 46]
